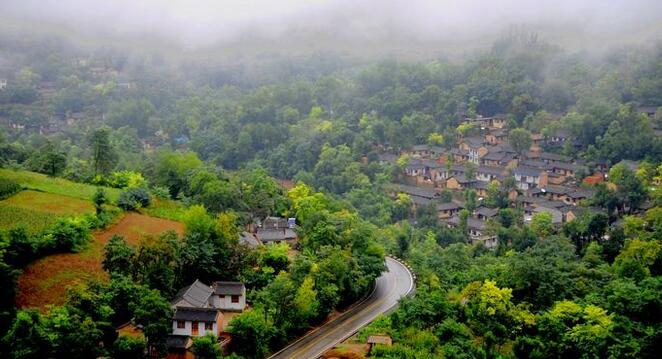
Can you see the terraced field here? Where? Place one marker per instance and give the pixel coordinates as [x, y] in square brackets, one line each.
[46, 280]
[38, 210]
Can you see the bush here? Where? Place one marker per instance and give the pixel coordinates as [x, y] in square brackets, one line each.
[121, 179]
[8, 188]
[68, 234]
[133, 198]
[161, 192]
[129, 347]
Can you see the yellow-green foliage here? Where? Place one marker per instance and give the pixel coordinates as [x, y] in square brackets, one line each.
[41, 182]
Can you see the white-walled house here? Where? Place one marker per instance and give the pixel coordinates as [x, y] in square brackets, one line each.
[229, 296]
[196, 295]
[195, 300]
[197, 322]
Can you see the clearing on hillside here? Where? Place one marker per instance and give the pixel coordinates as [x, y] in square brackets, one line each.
[39, 210]
[44, 183]
[46, 280]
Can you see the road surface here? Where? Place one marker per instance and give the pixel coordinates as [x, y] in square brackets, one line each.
[389, 288]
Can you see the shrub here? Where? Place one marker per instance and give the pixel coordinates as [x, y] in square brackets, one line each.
[68, 234]
[133, 198]
[129, 347]
[8, 188]
[161, 192]
[121, 179]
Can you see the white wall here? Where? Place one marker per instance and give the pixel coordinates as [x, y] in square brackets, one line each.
[226, 303]
[187, 330]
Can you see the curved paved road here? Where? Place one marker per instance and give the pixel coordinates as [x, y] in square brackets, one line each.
[389, 288]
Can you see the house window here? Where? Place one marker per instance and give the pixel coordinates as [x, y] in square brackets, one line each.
[181, 324]
[209, 326]
[235, 299]
[222, 296]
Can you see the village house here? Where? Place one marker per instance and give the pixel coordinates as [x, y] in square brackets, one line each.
[526, 177]
[489, 173]
[249, 239]
[277, 230]
[565, 169]
[477, 231]
[419, 196]
[476, 148]
[484, 213]
[196, 322]
[229, 296]
[3, 84]
[496, 137]
[459, 182]
[530, 211]
[494, 122]
[459, 155]
[496, 158]
[420, 151]
[200, 309]
[448, 210]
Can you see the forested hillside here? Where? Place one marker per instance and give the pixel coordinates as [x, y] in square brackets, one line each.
[549, 247]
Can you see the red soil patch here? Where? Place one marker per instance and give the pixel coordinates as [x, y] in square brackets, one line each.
[46, 280]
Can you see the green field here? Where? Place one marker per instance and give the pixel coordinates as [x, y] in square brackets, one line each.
[167, 209]
[38, 210]
[43, 183]
[35, 221]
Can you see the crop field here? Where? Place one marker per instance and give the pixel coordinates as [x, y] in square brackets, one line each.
[38, 210]
[45, 281]
[35, 221]
[49, 202]
[43, 183]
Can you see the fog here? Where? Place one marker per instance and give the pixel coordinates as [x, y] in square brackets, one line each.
[371, 25]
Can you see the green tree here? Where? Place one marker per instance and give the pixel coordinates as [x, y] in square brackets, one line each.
[129, 347]
[119, 256]
[520, 139]
[99, 199]
[104, 157]
[542, 225]
[206, 347]
[153, 312]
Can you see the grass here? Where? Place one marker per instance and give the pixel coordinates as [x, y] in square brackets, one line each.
[44, 183]
[167, 209]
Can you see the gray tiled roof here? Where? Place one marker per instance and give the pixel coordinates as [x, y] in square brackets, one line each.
[268, 235]
[448, 206]
[196, 314]
[228, 288]
[194, 295]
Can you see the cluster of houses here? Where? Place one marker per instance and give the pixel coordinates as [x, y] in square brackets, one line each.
[543, 181]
